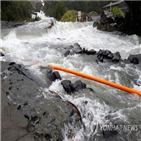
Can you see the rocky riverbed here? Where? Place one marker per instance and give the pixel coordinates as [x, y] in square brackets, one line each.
[59, 106]
[30, 113]
[26, 114]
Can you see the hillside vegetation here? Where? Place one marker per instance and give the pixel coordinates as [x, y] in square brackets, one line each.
[57, 9]
[15, 10]
[70, 15]
[22, 10]
[116, 10]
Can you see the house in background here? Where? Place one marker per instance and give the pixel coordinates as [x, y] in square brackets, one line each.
[120, 4]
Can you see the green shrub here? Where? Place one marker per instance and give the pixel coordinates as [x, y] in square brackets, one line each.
[116, 10]
[93, 13]
[16, 10]
[70, 15]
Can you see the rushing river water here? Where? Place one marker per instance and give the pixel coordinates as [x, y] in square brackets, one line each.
[33, 42]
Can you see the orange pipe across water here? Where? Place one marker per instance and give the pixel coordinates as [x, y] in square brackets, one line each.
[123, 88]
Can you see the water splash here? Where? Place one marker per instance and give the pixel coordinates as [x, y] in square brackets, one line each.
[32, 42]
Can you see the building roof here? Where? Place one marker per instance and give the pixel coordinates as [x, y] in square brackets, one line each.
[114, 3]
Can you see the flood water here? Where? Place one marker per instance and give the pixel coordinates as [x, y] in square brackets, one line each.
[33, 42]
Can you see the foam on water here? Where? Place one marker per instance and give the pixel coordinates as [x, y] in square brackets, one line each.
[32, 42]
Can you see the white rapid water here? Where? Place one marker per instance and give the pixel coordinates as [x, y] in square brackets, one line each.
[33, 42]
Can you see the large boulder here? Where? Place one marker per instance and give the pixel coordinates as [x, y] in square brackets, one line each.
[106, 22]
[76, 49]
[33, 116]
[130, 24]
[78, 85]
[13, 123]
[135, 59]
[108, 55]
[67, 85]
[116, 57]
[73, 87]
[1, 54]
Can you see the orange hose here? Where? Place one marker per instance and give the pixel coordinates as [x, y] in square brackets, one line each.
[124, 88]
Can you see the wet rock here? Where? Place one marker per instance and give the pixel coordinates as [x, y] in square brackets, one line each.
[44, 115]
[57, 75]
[90, 52]
[76, 48]
[107, 17]
[100, 52]
[84, 51]
[110, 56]
[52, 76]
[32, 115]
[12, 63]
[1, 54]
[73, 87]
[78, 85]
[106, 22]
[67, 85]
[100, 58]
[67, 53]
[4, 66]
[130, 24]
[135, 59]
[67, 50]
[107, 133]
[13, 123]
[105, 53]
[116, 57]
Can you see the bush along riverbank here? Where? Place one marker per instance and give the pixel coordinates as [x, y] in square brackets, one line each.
[72, 16]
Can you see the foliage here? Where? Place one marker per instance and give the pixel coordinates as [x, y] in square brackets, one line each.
[50, 7]
[15, 10]
[93, 13]
[21, 10]
[70, 15]
[54, 9]
[59, 10]
[116, 10]
[38, 6]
